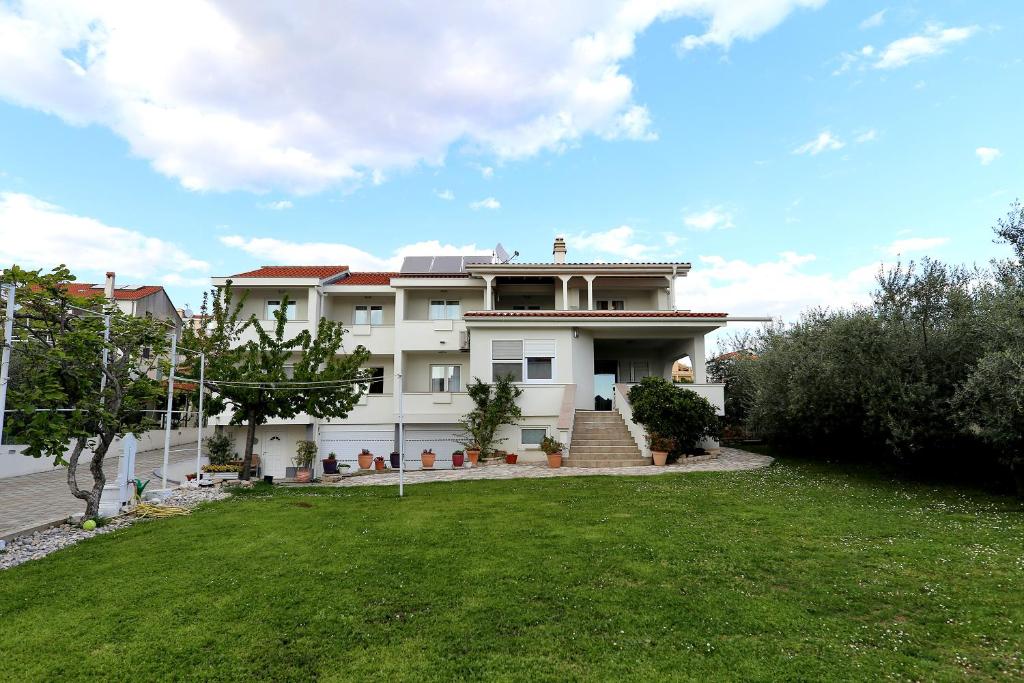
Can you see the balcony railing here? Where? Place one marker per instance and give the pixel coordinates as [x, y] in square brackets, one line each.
[433, 335]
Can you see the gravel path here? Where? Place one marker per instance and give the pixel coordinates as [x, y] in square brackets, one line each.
[42, 543]
[725, 460]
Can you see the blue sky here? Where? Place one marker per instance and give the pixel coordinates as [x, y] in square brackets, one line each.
[784, 147]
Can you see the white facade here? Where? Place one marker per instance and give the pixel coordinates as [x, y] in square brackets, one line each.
[567, 332]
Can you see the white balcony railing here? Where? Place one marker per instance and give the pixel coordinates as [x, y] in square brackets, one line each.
[378, 339]
[431, 335]
[291, 329]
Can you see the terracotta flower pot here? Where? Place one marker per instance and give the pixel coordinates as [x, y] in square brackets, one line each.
[555, 460]
[365, 460]
[378, 464]
[474, 455]
[303, 475]
[458, 459]
[660, 457]
[427, 459]
[511, 458]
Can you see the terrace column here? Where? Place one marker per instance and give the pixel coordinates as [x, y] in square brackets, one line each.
[700, 369]
[672, 289]
[590, 291]
[565, 291]
[488, 301]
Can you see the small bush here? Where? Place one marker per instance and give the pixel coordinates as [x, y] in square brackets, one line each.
[220, 449]
[671, 412]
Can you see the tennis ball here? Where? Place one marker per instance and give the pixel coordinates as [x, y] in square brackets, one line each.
[89, 524]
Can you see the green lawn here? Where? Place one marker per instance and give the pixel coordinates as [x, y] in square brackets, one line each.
[797, 572]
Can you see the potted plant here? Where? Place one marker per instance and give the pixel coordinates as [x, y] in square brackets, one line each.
[473, 451]
[305, 452]
[378, 462]
[661, 446]
[396, 460]
[427, 458]
[553, 449]
[494, 405]
[458, 458]
[330, 464]
[365, 458]
[511, 458]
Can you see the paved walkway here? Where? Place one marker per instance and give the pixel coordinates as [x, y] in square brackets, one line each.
[32, 500]
[726, 460]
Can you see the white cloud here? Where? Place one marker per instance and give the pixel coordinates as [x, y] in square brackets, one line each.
[933, 41]
[273, 250]
[267, 94]
[986, 155]
[487, 171]
[824, 142]
[876, 19]
[781, 288]
[715, 218]
[446, 195]
[37, 234]
[729, 20]
[623, 243]
[911, 245]
[278, 205]
[869, 135]
[489, 203]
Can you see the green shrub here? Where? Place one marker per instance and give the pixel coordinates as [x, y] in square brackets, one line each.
[220, 448]
[669, 411]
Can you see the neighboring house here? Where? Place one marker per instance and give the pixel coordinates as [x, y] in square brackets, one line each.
[573, 335]
[682, 373]
[134, 300]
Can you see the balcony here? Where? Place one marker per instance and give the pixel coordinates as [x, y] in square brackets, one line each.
[378, 339]
[431, 335]
[291, 329]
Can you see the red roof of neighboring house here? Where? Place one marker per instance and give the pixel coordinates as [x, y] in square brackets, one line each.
[591, 314]
[319, 272]
[736, 354]
[367, 279]
[87, 290]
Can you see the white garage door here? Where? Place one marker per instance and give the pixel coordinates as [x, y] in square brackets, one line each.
[346, 443]
[442, 439]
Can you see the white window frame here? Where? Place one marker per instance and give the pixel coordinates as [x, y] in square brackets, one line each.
[274, 305]
[447, 379]
[446, 305]
[369, 309]
[523, 428]
[552, 354]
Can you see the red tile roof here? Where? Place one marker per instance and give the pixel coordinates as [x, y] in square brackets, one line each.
[87, 290]
[591, 314]
[367, 279]
[319, 272]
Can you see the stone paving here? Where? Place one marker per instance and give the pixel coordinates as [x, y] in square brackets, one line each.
[32, 500]
[725, 460]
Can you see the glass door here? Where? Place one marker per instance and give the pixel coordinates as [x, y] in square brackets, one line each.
[605, 373]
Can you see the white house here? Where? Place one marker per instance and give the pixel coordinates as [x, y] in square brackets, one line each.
[573, 335]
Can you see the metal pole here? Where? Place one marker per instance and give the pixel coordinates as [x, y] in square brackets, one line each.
[170, 408]
[5, 365]
[106, 354]
[199, 428]
[401, 438]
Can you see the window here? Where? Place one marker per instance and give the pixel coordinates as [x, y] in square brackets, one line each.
[640, 369]
[526, 308]
[610, 305]
[441, 309]
[368, 315]
[273, 306]
[376, 383]
[445, 378]
[532, 436]
[532, 360]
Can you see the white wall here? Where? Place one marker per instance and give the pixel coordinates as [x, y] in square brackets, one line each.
[14, 464]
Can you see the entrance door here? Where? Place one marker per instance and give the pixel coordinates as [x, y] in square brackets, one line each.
[605, 372]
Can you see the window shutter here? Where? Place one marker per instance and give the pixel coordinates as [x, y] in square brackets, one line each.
[540, 348]
[507, 350]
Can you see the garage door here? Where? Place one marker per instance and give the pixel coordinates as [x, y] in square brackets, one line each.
[346, 443]
[442, 439]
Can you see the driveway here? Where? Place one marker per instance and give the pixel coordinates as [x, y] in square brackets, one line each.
[33, 500]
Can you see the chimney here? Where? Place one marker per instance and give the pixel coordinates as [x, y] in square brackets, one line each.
[108, 286]
[559, 251]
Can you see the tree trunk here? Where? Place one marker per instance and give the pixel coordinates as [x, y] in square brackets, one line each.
[250, 438]
[92, 495]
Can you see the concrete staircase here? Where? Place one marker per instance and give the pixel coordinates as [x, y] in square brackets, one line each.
[600, 439]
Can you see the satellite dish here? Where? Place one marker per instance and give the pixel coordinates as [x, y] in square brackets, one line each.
[500, 254]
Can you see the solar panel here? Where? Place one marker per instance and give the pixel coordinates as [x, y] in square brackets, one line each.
[476, 260]
[417, 264]
[447, 264]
